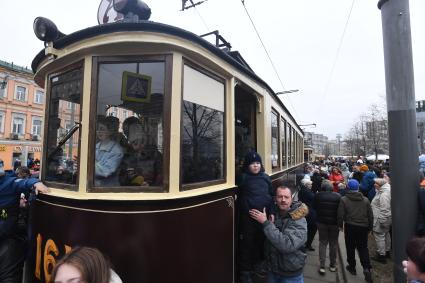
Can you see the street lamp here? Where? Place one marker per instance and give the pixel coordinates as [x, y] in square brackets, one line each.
[287, 91]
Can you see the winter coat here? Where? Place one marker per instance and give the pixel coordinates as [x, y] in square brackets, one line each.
[355, 209]
[326, 205]
[285, 241]
[366, 186]
[255, 192]
[306, 196]
[381, 207]
[336, 179]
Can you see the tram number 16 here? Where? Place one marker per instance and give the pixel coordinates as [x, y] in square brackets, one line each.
[51, 252]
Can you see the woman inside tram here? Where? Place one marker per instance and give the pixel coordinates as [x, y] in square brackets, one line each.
[109, 152]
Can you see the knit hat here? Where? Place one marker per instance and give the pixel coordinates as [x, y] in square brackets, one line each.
[353, 185]
[364, 168]
[252, 157]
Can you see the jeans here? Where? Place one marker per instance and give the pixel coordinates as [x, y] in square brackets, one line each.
[328, 234]
[276, 278]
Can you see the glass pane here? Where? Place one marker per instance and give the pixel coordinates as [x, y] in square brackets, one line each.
[129, 124]
[283, 141]
[62, 145]
[203, 152]
[275, 141]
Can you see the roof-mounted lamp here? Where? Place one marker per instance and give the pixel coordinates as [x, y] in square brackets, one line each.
[133, 10]
[46, 30]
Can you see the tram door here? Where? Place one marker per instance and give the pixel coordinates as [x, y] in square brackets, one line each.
[245, 125]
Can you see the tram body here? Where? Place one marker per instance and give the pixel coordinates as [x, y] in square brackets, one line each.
[179, 226]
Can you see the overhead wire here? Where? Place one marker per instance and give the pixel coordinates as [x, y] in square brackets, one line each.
[268, 55]
[341, 40]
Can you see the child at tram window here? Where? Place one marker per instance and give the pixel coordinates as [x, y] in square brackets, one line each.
[109, 152]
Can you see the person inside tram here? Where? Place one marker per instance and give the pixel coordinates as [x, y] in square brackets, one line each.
[142, 164]
[109, 152]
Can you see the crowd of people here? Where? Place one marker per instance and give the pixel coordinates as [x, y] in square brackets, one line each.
[353, 197]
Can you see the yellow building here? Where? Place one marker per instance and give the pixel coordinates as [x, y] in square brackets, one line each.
[21, 115]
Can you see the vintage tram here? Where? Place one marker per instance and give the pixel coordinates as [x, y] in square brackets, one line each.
[146, 126]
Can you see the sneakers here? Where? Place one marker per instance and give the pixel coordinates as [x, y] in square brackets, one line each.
[368, 275]
[322, 271]
[380, 258]
[351, 269]
[332, 268]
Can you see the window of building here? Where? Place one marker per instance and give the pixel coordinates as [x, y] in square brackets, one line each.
[132, 155]
[275, 141]
[18, 123]
[283, 140]
[39, 97]
[2, 117]
[202, 156]
[62, 151]
[36, 125]
[20, 93]
[3, 88]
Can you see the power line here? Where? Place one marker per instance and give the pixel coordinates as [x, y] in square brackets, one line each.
[196, 10]
[268, 55]
[328, 82]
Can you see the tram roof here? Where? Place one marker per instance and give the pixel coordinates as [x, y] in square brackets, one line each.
[232, 57]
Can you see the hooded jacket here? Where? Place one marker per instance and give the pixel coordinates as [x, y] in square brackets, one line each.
[285, 241]
[355, 209]
[381, 207]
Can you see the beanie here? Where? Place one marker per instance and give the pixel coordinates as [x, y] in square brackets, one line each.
[353, 185]
[364, 168]
[252, 157]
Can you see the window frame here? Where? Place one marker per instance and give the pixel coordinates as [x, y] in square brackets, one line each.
[41, 96]
[68, 187]
[203, 70]
[277, 115]
[3, 91]
[18, 115]
[2, 120]
[36, 118]
[166, 115]
[15, 97]
[284, 143]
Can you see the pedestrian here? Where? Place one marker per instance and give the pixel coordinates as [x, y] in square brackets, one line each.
[254, 192]
[336, 178]
[420, 222]
[356, 174]
[16, 164]
[414, 266]
[326, 203]
[13, 243]
[306, 196]
[367, 183]
[381, 207]
[355, 218]
[319, 175]
[285, 234]
[84, 264]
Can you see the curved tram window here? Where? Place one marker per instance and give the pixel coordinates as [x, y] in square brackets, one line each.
[129, 124]
[63, 134]
[202, 157]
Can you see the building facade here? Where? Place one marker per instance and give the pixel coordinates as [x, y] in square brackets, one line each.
[317, 141]
[21, 115]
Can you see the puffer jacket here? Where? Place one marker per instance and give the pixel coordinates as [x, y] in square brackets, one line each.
[381, 207]
[326, 204]
[255, 192]
[285, 241]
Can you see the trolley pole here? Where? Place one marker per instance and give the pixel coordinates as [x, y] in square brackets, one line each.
[401, 125]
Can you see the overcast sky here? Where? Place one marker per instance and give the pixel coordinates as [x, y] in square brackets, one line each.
[301, 36]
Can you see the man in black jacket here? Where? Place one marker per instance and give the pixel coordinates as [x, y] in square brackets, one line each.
[326, 204]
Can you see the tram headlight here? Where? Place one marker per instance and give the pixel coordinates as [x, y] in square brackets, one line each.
[46, 30]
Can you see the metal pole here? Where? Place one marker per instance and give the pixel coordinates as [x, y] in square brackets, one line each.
[401, 125]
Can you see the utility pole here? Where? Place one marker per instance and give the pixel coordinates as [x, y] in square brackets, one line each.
[401, 125]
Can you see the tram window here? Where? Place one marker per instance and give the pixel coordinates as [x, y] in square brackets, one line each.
[289, 142]
[129, 124]
[63, 134]
[202, 157]
[275, 141]
[283, 141]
